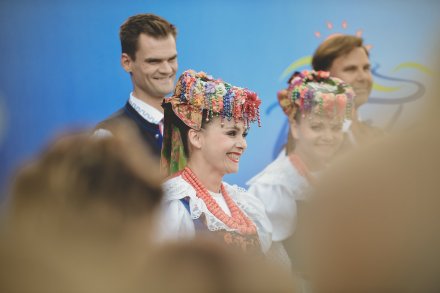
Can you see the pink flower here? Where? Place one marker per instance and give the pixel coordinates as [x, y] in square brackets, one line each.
[202, 74]
[324, 74]
[341, 102]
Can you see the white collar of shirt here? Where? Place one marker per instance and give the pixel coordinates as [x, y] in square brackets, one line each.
[147, 112]
[346, 127]
[347, 123]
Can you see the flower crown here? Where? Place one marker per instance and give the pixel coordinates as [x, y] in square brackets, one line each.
[308, 89]
[197, 91]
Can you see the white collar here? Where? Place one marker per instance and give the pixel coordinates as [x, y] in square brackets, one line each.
[346, 125]
[347, 128]
[148, 112]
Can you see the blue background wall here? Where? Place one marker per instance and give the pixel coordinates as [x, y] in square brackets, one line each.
[60, 60]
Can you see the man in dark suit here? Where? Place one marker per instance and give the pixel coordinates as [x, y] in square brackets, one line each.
[149, 55]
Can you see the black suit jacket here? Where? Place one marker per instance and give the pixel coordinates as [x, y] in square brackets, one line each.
[149, 132]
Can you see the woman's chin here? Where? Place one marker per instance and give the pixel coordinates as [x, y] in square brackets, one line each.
[231, 170]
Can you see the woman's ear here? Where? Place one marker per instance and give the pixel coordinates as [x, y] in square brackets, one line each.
[195, 138]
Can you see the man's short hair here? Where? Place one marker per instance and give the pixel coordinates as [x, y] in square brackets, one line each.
[333, 48]
[147, 23]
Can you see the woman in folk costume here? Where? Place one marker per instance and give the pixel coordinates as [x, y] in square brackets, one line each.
[316, 106]
[205, 127]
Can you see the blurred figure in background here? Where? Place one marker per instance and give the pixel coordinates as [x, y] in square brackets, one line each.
[346, 57]
[372, 224]
[316, 106]
[79, 216]
[149, 55]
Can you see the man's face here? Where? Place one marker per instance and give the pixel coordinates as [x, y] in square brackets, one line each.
[354, 68]
[154, 70]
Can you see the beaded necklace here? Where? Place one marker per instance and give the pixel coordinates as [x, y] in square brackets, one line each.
[238, 220]
[302, 168]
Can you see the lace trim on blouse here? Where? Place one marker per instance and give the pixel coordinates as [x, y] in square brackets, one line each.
[177, 188]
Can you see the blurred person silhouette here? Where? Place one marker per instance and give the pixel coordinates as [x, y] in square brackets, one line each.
[149, 55]
[206, 123]
[380, 234]
[203, 265]
[316, 106]
[80, 214]
[346, 57]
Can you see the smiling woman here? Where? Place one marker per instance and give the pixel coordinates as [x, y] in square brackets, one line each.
[316, 106]
[221, 145]
[206, 122]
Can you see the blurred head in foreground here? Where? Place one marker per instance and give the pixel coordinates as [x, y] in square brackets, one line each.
[203, 265]
[373, 222]
[85, 204]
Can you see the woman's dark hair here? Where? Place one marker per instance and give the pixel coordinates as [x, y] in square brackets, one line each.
[171, 119]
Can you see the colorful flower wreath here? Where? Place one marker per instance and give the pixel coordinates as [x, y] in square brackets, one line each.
[195, 93]
[317, 92]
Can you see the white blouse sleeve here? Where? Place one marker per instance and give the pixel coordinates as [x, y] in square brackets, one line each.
[279, 186]
[280, 208]
[175, 222]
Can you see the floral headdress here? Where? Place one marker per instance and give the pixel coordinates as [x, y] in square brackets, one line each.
[195, 93]
[308, 89]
